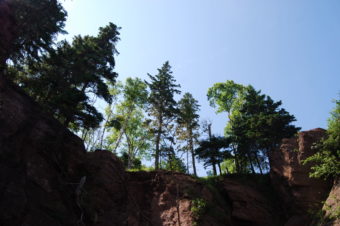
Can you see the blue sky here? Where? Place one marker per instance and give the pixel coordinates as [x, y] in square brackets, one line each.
[289, 49]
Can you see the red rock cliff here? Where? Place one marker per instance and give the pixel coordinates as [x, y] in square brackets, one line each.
[299, 193]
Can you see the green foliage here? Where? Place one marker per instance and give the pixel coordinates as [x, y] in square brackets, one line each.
[130, 163]
[162, 104]
[66, 80]
[333, 211]
[170, 161]
[174, 164]
[261, 122]
[326, 159]
[142, 168]
[129, 130]
[162, 90]
[256, 123]
[198, 208]
[188, 107]
[228, 166]
[35, 26]
[210, 151]
[226, 96]
[325, 215]
[187, 124]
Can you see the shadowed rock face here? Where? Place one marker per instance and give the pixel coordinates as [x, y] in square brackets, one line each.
[6, 31]
[42, 165]
[249, 206]
[39, 161]
[299, 193]
[332, 205]
[166, 198]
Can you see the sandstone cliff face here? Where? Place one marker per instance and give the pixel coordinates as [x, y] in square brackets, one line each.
[46, 177]
[167, 198]
[299, 193]
[332, 206]
[38, 161]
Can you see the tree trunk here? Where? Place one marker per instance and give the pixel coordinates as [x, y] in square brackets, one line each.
[251, 164]
[104, 128]
[258, 163]
[158, 139]
[214, 169]
[219, 167]
[226, 169]
[187, 161]
[213, 162]
[130, 151]
[237, 164]
[122, 130]
[191, 147]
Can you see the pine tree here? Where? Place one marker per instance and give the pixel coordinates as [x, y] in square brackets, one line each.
[29, 28]
[259, 126]
[162, 103]
[211, 152]
[188, 124]
[67, 80]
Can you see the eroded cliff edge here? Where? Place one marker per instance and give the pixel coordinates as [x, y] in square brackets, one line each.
[47, 178]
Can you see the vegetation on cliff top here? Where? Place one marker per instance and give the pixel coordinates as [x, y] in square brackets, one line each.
[326, 160]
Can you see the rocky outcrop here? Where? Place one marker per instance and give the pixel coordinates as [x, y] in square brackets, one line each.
[249, 205]
[103, 200]
[167, 198]
[331, 207]
[159, 198]
[39, 160]
[299, 193]
[46, 177]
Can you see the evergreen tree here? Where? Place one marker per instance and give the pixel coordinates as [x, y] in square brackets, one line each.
[170, 161]
[213, 151]
[256, 123]
[67, 80]
[259, 126]
[188, 124]
[32, 27]
[162, 103]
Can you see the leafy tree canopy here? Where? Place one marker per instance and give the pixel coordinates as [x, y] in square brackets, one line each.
[326, 160]
[170, 161]
[227, 96]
